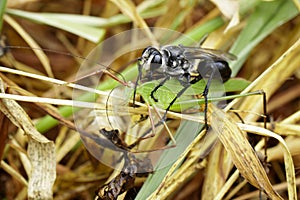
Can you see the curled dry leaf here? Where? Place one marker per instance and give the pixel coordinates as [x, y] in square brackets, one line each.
[288, 161]
[40, 150]
[242, 154]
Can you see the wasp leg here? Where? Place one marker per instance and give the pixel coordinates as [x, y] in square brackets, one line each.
[205, 94]
[164, 117]
[140, 67]
[157, 87]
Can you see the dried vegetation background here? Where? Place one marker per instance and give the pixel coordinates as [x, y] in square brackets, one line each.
[42, 158]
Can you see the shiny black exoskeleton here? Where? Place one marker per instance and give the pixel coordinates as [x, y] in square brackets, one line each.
[181, 62]
[186, 64]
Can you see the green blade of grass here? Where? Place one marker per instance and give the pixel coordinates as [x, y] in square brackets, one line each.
[86, 31]
[2, 9]
[84, 19]
[88, 27]
[154, 180]
[266, 18]
[166, 93]
[199, 32]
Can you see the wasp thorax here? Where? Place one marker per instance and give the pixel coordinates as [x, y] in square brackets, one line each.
[174, 56]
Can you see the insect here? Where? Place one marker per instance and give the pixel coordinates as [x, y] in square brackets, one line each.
[188, 65]
[133, 167]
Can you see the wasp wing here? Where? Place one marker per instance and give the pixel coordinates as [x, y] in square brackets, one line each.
[200, 53]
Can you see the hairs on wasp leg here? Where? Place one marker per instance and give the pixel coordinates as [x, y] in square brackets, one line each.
[188, 65]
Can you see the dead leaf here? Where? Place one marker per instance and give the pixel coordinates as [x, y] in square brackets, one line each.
[242, 154]
[40, 150]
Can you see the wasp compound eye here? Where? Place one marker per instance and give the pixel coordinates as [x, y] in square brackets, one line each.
[156, 61]
[150, 51]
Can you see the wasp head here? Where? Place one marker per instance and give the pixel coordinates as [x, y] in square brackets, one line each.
[151, 59]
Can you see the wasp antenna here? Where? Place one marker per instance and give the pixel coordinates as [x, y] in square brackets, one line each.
[107, 107]
[4, 48]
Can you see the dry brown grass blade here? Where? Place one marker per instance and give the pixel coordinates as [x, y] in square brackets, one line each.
[284, 150]
[230, 9]
[288, 161]
[270, 80]
[40, 54]
[242, 154]
[170, 182]
[10, 170]
[251, 195]
[4, 132]
[276, 153]
[283, 129]
[129, 9]
[215, 176]
[198, 149]
[40, 151]
[294, 118]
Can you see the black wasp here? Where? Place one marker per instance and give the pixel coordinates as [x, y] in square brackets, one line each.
[188, 65]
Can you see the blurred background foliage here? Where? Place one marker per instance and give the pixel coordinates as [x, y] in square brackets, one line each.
[257, 32]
